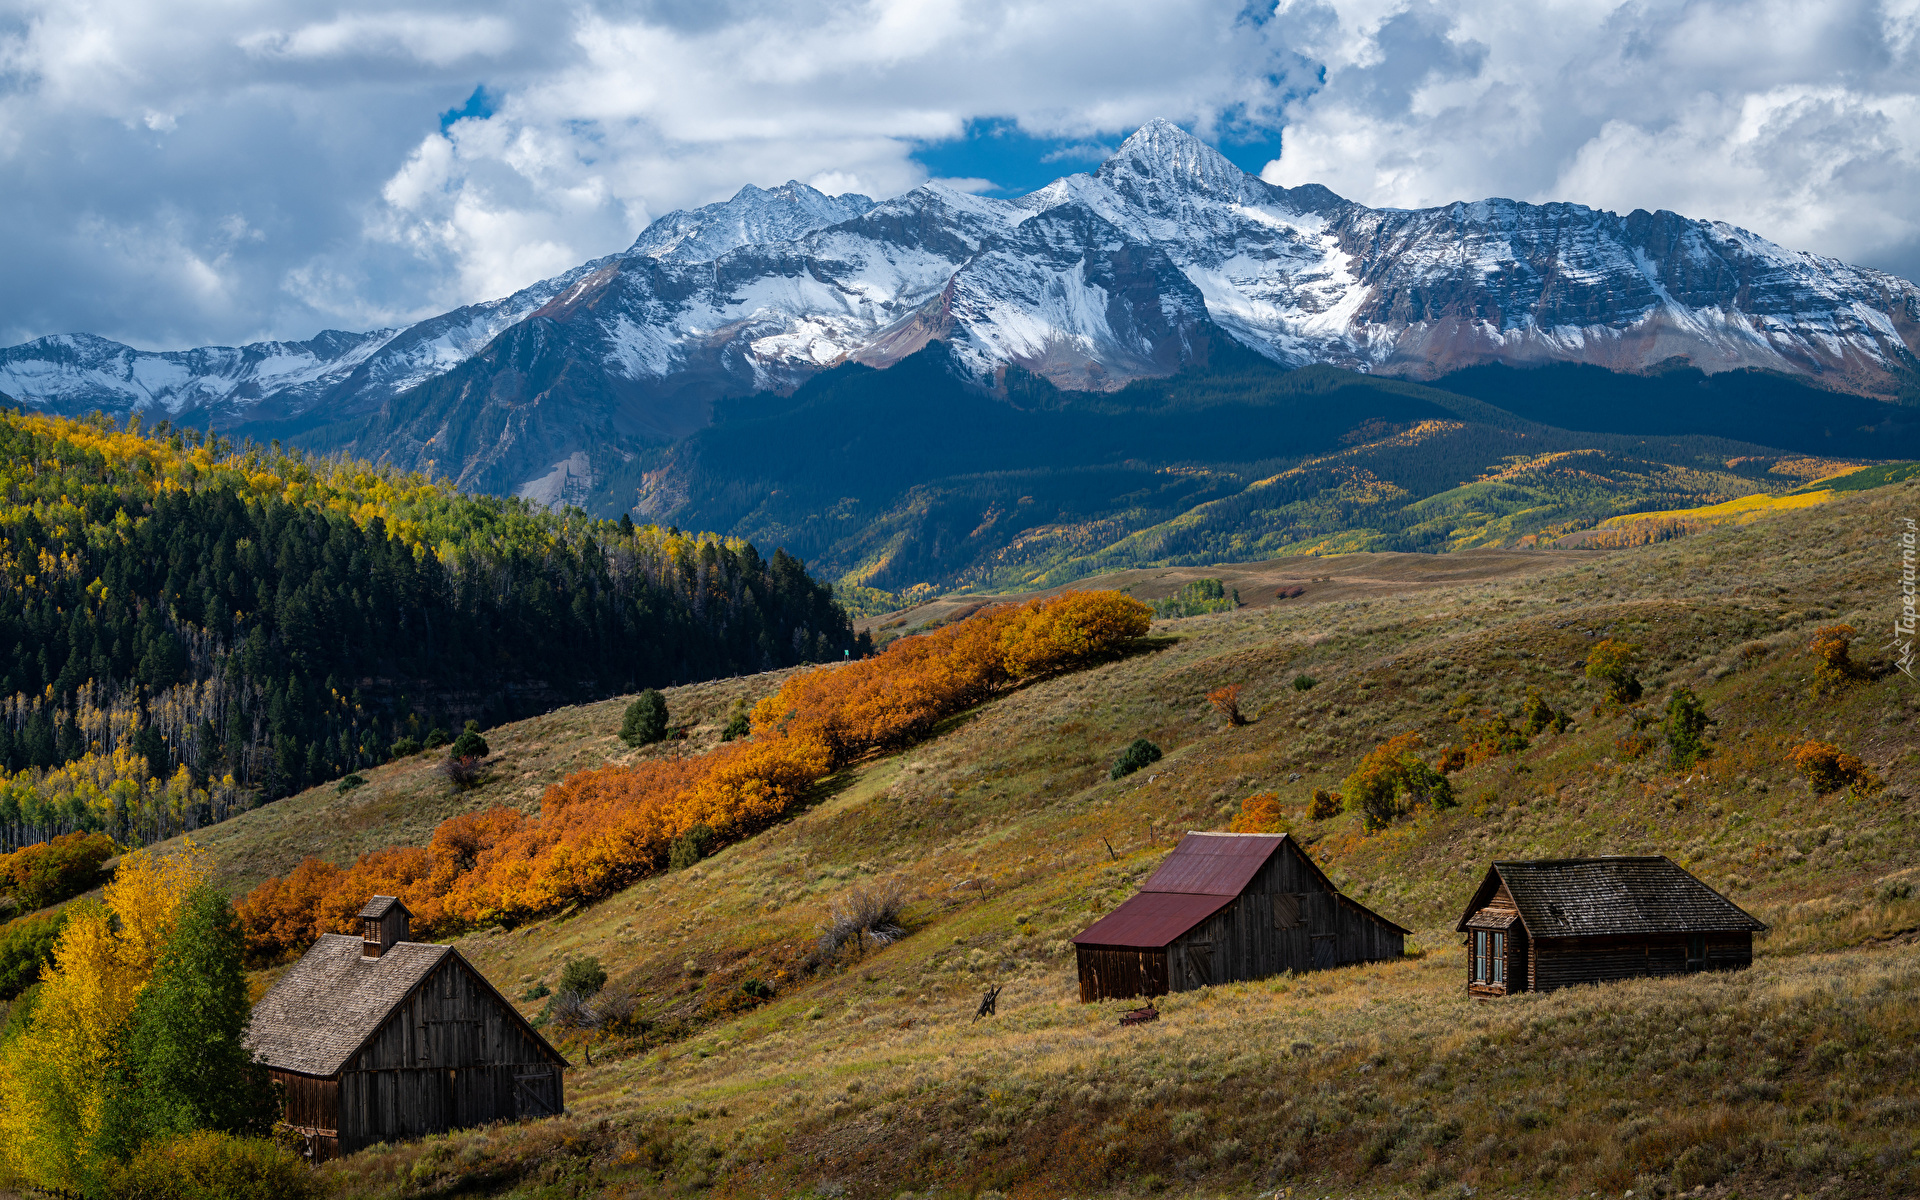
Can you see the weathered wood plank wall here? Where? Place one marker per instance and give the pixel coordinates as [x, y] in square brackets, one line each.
[449, 1056]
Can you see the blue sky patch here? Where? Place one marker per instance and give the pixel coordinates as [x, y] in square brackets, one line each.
[478, 105]
[997, 149]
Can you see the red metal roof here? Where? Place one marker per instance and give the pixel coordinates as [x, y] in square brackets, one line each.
[1214, 864]
[1151, 919]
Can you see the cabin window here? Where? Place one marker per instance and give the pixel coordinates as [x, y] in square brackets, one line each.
[1479, 956]
[1286, 911]
[1696, 952]
[1499, 959]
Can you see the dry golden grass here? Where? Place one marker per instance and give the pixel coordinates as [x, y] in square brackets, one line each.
[1380, 1080]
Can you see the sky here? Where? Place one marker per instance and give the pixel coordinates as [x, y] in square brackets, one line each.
[191, 172]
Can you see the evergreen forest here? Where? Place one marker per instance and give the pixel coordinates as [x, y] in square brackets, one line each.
[193, 626]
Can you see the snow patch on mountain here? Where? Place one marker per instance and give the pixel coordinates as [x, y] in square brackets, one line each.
[1093, 280]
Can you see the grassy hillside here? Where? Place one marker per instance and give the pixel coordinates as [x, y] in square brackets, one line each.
[867, 1078]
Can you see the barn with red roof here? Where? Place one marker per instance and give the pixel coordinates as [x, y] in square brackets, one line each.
[1225, 907]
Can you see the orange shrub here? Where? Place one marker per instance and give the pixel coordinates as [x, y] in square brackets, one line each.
[282, 915]
[1053, 635]
[1832, 645]
[600, 830]
[1260, 813]
[1226, 700]
[1830, 768]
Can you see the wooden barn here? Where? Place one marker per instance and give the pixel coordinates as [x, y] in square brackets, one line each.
[1225, 907]
[377, 1038]
[1536, 926]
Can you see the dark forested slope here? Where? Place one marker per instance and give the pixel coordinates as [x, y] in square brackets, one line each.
[185, 622]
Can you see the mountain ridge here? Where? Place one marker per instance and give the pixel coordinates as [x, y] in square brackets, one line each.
[1097, 279]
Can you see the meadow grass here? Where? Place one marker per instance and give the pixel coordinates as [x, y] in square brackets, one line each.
[868, 1078]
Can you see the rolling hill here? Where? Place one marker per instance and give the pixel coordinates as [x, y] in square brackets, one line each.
[865, 1076]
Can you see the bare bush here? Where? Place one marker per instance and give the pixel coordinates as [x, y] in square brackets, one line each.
[859, 915]
[465, 771]
[571, 1012]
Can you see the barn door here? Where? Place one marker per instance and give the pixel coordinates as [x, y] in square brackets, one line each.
[1324, 953]
[1199, 964]
[533, 1094]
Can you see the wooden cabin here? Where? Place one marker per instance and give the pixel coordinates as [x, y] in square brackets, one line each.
[1225, 907]
[377, 1038]
[1536, 926]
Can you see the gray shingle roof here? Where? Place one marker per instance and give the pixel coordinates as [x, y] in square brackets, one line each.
[380, 906]
[1590, 897]
[332, 999]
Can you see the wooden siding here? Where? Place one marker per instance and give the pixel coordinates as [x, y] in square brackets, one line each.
[1121, 974]
[313, 1111]
[450, 1055]
[1244, 940]
[1563, 962]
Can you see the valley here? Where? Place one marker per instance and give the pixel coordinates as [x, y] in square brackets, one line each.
[868, 1076]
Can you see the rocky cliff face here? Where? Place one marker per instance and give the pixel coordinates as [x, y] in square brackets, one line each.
[1092, 281]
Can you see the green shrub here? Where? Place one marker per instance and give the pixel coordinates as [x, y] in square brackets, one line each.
[536, 992]
[1141, 753]
[1304, 682]
[582, 977]
[689, 848]
[1611, 663]
[406, 747]
[739, 722]
[348, 784]
[19, 1012]
[470, 744]
[1197, 598]
[645, 721]
[205, 1165]
[1686, 724]
[26, 945]
[1536, 714]
[437, 737]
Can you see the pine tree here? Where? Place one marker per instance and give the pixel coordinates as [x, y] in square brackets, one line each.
[470, 744]
[646, 720]
[182, 1065]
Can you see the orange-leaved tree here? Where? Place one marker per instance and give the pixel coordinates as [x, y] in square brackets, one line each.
[600, 830]
[1260, 813]
[1226, 701]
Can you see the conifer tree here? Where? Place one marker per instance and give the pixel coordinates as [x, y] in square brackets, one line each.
[646, 719]
[470, 744]
[182, 1065]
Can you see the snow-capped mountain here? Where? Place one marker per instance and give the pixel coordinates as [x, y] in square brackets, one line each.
[74, 373]
[1091, 281]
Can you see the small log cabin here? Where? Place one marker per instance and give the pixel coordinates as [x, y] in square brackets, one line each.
[1536, 926]
[377, 1038]
[1225, 907]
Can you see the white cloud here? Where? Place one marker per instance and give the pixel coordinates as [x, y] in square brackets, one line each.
[186, 171]
[1795, 120]
[430, 38]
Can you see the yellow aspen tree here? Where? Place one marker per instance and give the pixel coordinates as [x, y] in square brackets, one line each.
[52, 1076]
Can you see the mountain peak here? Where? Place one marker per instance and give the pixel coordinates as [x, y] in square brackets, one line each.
[1164, 152]
[752, 215]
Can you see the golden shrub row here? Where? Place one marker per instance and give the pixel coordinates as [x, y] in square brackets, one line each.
[600, 830]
